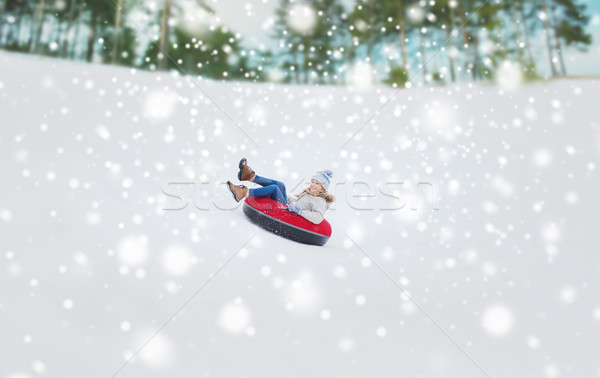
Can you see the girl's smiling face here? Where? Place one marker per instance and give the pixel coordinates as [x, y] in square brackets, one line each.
[316, 186]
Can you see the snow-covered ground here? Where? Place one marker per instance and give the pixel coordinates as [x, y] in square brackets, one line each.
[499, 275]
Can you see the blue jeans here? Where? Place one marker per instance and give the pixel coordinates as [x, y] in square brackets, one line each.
[270, 188]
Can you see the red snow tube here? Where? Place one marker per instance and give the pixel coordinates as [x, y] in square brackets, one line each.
[274, 216]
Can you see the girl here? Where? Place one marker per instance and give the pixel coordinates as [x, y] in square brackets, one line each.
[311, 203]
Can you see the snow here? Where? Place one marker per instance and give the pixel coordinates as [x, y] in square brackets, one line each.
[133, 250]
[177, 260]
[235, 318]
[509, 75]
[498, 320]
[533, 342]
[302, 19]
[68, 304]
[416, 14]
[361, 77]
[125, 326]
[477, 200]
[159, 355]
[39, 367]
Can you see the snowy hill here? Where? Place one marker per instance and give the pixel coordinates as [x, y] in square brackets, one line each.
[496, 276]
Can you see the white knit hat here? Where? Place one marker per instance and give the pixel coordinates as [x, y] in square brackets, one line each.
[324, 177]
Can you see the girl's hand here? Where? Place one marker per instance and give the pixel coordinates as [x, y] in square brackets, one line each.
[294, 207]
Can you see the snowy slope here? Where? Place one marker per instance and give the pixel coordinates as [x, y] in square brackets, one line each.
[501, 268]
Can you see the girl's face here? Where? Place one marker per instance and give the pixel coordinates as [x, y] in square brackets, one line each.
[316, 186]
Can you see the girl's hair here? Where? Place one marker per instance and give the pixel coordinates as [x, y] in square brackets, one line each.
[329, 198]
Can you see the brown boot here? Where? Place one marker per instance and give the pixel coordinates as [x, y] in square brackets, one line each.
[238, 191]
[246, 173]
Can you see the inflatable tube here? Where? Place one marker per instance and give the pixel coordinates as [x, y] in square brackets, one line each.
[273, 216]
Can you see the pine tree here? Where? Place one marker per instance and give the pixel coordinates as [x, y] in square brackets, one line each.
[67, 36]
[365, 24]
[465, 9]
[164, 36]
[164, 54]
[530, 65]
[78, 22]
[289, 42]
[39, 25]
[397, 26]
[545, 19]
[117, 31]
[444, 20]
[488, 19]
[326, 38]
[2, 16]
[101, 13]
[10, 33]
[569, 26]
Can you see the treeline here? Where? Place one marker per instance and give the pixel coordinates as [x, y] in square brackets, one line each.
[441, 40]
[315, 41]
[160, 35]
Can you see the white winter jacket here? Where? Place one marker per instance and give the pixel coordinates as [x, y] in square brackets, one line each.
[313, 208]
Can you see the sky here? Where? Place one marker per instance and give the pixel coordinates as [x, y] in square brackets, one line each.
[254, 16]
